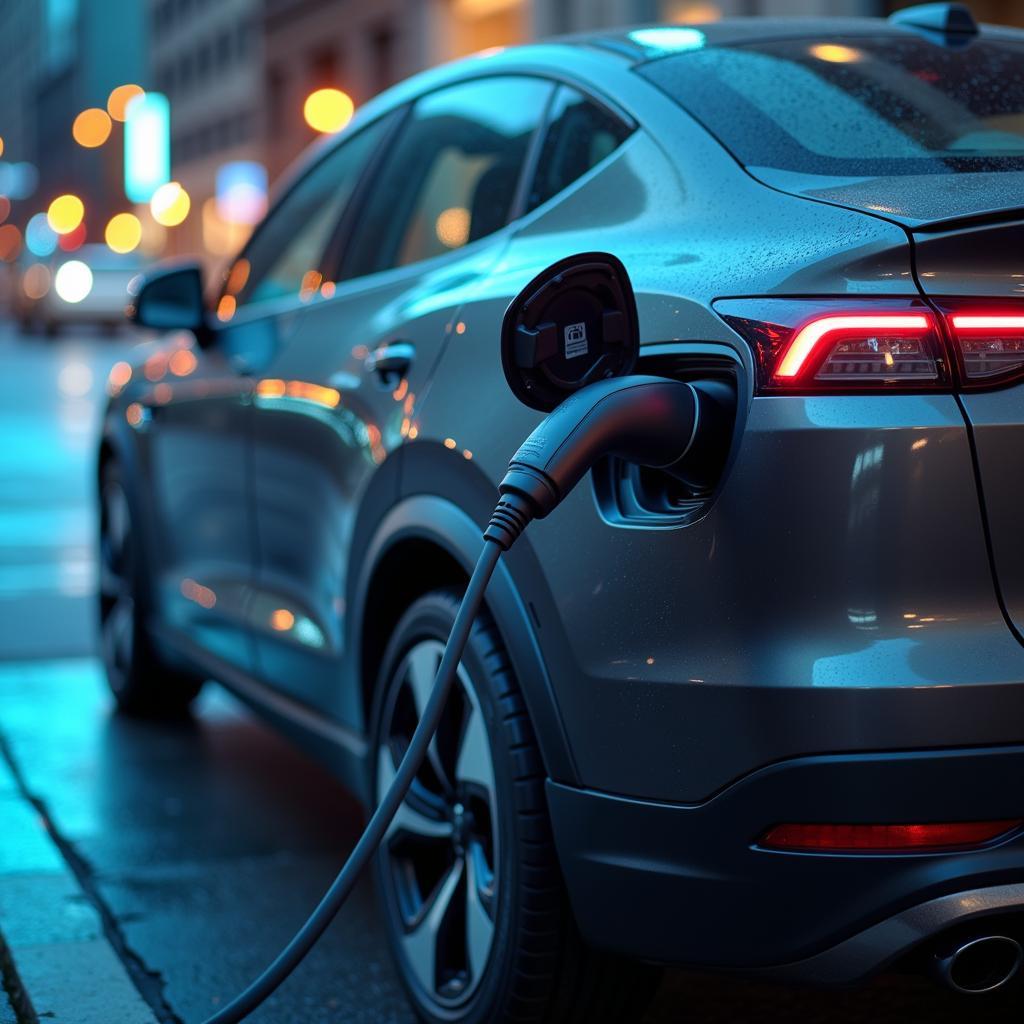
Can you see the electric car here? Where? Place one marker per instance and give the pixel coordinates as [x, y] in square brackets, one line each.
[763, 715]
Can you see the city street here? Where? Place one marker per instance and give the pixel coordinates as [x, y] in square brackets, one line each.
[205, 843]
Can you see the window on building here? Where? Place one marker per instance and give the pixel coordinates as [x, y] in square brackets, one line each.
[382, 49]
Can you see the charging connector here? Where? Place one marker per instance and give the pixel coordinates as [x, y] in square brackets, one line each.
[649, 420]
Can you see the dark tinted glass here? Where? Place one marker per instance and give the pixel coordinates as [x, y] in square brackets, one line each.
[452, 175]
[292, 241]
[858, 105]
[580, 135]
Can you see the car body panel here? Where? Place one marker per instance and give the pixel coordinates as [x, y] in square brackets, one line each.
[985, 261]
[914, 200]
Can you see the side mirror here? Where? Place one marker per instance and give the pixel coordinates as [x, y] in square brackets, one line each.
[168, 299]
[573, 324]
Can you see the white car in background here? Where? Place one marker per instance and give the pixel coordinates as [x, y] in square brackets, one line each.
[87, 286]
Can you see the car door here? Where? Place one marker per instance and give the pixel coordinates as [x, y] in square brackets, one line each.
[205, 429]
[193, 422]
[340, 396]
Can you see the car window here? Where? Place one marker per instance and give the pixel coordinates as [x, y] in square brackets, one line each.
[452, 175]
[288, 248]
[580, 134]
[857, 105]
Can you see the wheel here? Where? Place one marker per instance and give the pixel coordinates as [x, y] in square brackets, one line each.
[474, 905]
[140, 683]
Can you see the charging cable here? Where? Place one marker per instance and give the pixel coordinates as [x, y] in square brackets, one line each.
[648, 420]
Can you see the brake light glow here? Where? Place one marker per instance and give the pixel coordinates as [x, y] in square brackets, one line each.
[818, 838]
[813, 337]
[991, 345]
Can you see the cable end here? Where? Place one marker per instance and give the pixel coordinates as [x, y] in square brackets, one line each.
[510, 517]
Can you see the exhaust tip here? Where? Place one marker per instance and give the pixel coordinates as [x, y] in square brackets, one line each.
[981, 965]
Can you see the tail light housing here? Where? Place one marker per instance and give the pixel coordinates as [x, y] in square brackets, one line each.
[807, 346]
[833, 346]
[988, 342]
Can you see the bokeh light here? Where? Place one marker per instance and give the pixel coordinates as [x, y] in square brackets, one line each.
[123, 232]
[833, 53]
[328, 110]
[65, 213]
[10, 242]
[75, 380]
[35, 282]
[170, 204]
[5, 208]
[40, 238]
[119, 98]
[91, 128]
[73, 281]
[241, 191]
[452, 226]
[72, 240]
[1, 145]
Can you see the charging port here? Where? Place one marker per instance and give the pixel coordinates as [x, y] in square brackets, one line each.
[631, 495]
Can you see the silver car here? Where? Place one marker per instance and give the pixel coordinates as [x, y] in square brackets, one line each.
[764, 715]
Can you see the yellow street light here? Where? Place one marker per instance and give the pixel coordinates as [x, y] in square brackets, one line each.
[170, 204]
[118, 99]
[328, 110]
[65, 214]
[91, 128]
[123, 232]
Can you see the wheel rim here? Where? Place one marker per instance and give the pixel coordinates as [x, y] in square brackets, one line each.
[439, 858]
[117, 600]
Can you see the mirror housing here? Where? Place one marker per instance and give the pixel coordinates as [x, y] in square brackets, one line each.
[573, 324]
[169, 298]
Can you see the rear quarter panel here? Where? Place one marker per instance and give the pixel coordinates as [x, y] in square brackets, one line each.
[837, 594]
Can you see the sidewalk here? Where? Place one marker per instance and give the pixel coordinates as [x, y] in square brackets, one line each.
[58, 964]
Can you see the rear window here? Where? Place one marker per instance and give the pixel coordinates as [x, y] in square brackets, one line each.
[856, 105]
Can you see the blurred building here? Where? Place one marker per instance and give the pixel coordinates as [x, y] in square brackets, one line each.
[87, 49]
[20, 56]
[207, 58]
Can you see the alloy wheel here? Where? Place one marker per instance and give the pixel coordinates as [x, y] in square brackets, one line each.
[440, 855]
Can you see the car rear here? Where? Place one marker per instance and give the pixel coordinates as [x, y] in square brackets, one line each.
[880, 474]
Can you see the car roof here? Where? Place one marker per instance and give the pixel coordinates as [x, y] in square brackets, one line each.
[640, 43]
[623, 48]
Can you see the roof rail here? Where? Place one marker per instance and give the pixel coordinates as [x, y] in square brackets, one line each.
[945, 19]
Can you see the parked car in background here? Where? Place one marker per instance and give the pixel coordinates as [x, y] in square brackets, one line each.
[87, 286]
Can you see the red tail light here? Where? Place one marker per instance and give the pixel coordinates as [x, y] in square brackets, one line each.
[815, 838]
[990, 345]
[829, 346]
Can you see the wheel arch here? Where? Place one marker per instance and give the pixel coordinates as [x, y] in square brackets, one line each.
[424, 542]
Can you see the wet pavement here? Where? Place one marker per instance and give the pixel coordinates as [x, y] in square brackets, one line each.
[206, 842]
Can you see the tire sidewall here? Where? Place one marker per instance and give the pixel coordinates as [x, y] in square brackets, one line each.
[431, 618]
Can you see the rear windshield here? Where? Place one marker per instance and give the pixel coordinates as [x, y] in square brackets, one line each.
[857, 105]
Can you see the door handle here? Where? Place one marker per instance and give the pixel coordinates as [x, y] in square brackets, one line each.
[390, 362]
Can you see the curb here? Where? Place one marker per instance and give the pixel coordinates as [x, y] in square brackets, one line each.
[57, 964]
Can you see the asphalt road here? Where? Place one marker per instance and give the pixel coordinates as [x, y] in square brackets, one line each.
[206, 842]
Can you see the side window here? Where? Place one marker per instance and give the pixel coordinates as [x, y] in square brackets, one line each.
[580, 134]
[291, 243]
[452, 175]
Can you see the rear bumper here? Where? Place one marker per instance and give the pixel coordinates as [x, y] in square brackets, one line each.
[688, 884]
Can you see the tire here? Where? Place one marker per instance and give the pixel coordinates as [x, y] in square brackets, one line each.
[468, 879]
[140, 682]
